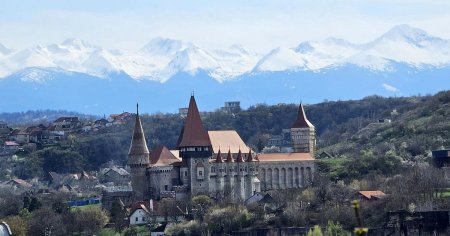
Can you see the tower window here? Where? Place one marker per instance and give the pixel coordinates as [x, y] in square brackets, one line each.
[166, 187]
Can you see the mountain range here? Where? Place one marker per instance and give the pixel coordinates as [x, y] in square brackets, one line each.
[77, 75]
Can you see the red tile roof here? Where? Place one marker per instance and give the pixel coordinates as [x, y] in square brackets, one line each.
[161, 156]
[302, 121]
[193, 134]
[274, 157]
[370, 195]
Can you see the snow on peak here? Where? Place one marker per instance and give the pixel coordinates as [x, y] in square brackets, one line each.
[407, 33]
[161, 58]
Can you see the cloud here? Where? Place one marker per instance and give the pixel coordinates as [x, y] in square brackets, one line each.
[390, 88]
[257, 25]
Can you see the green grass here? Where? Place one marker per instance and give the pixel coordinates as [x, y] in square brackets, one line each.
[81, 208]
[108, 232]
[444, 193]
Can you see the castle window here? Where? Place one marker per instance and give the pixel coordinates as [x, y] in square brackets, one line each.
[166, 187]
[213, 169]
[200, 171]
[185, 173]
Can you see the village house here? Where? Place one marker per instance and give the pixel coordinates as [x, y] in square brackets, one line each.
[4, 130]
[120, 119]
[11, 147]
[18, 184]
[371, 195]
[67, 124]
[140, 214]
[117, 175]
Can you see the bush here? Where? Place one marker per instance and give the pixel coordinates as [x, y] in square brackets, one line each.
[186, 228]
[228, 219]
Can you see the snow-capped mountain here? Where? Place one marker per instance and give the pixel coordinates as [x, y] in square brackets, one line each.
[161, 59]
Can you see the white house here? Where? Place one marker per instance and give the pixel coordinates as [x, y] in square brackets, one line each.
[139, 214]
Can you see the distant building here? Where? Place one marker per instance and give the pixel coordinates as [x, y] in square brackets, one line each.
[18, 184]
[11, 146]
[120, 119]
[183, 111]
[232, 107]
[371, 195]
[68, 123]
[441, 158]
[117, 175]
[4, 130]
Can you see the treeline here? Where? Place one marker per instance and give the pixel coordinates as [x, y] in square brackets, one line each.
[38, 117]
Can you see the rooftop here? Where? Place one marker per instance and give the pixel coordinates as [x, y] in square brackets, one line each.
[227, 139]
[274, 157]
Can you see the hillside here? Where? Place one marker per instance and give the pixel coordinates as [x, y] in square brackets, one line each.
[416, 129]
[347, 130]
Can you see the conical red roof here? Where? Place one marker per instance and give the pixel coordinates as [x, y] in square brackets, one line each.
[219, 157]
[138, 144]
[230, 157]
[302, 121]
[193, 134]
[239, 156]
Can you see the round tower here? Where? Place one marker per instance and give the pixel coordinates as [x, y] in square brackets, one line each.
[138, 160]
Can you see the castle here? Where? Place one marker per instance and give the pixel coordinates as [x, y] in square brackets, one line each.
[218, 163]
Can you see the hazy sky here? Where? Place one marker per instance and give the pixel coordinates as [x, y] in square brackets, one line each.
[258, 25]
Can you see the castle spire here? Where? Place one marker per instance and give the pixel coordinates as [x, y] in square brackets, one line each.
[229, 157]
[193, 134]
[239, 156]
[302, 121]
[250, 157]
[219, 157]
[138, 144]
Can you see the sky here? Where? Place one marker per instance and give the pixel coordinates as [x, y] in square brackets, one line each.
[257, 25]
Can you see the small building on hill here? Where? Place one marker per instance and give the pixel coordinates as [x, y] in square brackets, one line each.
[441, 158]
[371, 195]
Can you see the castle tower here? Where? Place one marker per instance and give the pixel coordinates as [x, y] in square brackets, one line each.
[303, 133]
[195, 150]
[138, 160]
